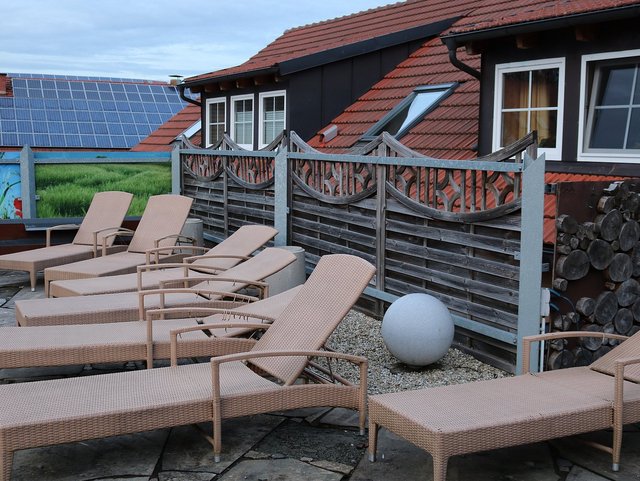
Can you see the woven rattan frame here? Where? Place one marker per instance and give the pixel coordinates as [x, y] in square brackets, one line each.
[60, 411]
[105, 214]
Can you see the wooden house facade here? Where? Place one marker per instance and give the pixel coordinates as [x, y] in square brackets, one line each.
[311, 74]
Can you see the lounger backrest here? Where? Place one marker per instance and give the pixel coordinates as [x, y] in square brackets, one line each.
[628, 349]
[330, 292]
[107, 210]
[164, 215]
[242, 242]
[262, 265]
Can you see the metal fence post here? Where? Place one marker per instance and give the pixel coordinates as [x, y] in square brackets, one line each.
[28, 183]
[281, 194]
[176, 171]
[531, 238]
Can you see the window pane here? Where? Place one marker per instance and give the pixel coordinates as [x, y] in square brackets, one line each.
[514, 126]
[515, 91]
[633, 141]
[546, 123]
[609, 127]
[636, 97]
[544, 89]
[615, 85]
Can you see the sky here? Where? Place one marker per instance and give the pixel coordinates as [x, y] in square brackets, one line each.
[150, 39]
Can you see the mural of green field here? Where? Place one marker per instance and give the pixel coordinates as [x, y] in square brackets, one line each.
[66, 190]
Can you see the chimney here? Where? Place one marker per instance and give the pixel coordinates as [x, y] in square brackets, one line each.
[4, 80]
[175, 79]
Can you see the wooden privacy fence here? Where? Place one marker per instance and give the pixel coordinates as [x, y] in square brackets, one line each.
[466, 232]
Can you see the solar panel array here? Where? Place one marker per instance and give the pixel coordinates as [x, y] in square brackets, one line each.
[84, 112]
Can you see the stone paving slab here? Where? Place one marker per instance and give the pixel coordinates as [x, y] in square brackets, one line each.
[7, 317]
[398, 459]
[299, 440]
[579, 474]
[278, 469]
[23, 294]
[599, 462]
[188, 450]
[122, 457]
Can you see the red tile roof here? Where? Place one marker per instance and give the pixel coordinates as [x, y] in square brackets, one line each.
[448, 132]
[500, 13]
[339, 32]
[160, 140]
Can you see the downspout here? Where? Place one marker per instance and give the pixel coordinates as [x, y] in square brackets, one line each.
[185, 98]
[456, 62]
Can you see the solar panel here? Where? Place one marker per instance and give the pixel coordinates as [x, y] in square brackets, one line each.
[61, 111]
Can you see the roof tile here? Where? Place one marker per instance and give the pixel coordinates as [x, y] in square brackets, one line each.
[339, 32]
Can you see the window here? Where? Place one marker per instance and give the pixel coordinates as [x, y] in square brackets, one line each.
[610, 107]
[272, 116]
[410, 111]
[242, 120]
[529, 96]
[216, 120]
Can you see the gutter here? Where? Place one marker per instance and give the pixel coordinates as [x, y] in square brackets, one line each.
[181, 88]
[456, 62]
[572, 20]
[230, 77]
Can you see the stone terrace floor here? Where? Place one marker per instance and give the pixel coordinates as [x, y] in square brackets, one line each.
[310, 444]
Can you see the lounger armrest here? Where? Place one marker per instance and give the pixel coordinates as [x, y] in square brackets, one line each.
[528, 340]
[59, 227]
[204, 293]
[203, 312]
[174, 333]
[247, 356]
[169, 249]
[263, 287]
[192, 259]
[105, 231]
[177, 237]
[119, 232]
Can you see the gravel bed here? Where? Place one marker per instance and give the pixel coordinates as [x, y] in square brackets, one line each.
[360, 335]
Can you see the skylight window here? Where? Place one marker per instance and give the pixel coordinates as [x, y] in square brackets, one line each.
[411, 110]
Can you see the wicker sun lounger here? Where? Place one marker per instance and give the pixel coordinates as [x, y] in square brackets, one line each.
[160, 226]
[68, 410]
[105, 215]
[130, 306]
[231, 251]
[135, 340]
[459, 419]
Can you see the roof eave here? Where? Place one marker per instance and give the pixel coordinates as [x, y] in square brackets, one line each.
[336, 54]
[618, 13]
[365, 46]
[231, 77]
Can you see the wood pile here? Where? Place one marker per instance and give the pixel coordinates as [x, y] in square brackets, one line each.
[604, 251]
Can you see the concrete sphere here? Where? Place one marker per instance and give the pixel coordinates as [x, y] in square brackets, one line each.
[417, 329]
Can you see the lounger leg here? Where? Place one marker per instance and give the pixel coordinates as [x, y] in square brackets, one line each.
[5, 465]
[616, 448]
[32, 279]
[217, 439]
[373, 440]
[440, 468]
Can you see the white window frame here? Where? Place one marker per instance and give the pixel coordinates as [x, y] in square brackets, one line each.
[216, 100]
[528, 66]
[233, 116]
[261, 97]
[614, 155]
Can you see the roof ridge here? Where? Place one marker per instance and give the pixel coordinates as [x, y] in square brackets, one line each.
[344, 17]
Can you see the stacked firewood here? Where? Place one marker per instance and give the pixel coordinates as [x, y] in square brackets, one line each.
[605, 251]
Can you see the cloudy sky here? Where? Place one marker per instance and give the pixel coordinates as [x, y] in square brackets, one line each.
[150, 39]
